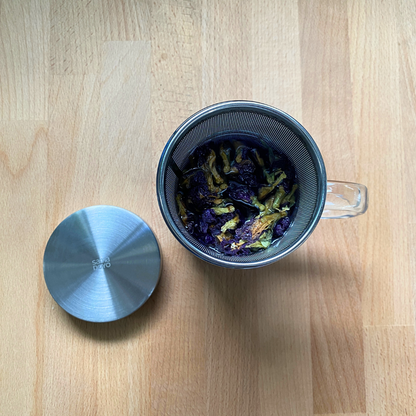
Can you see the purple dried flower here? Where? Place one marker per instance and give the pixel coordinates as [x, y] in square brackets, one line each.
[246, 173]
[241, 193]
[232, 248]
[209, 216]
[207, 239]
[201, 154]
[245, 231]
[220, 221]
[287, 185]
[200, 196]
[281, 227]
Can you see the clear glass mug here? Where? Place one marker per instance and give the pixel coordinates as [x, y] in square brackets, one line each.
[317, 198]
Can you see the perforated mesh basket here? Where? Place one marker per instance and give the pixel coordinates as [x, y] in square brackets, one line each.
[277, 130]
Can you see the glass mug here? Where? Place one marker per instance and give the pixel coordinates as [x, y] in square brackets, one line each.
[316, 198]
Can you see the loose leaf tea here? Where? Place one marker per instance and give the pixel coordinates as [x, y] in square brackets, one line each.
[237, 196]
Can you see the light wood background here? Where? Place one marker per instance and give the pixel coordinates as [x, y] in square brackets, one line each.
[90, 91]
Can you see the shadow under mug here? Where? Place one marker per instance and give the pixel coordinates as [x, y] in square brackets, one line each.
[317, 198]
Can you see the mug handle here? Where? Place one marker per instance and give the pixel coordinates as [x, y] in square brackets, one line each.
[345, 200]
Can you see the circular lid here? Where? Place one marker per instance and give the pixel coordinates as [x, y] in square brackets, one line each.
[101, 263]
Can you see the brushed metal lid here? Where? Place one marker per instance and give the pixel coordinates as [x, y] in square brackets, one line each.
[101, 263]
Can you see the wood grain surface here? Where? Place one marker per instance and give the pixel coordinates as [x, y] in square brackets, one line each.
[90, 92]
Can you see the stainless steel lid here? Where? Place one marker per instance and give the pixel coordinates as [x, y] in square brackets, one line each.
[101, 263]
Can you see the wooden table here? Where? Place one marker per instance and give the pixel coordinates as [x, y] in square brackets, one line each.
[90, 93]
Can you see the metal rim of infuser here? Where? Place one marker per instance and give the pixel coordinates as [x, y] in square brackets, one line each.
[102, 263]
